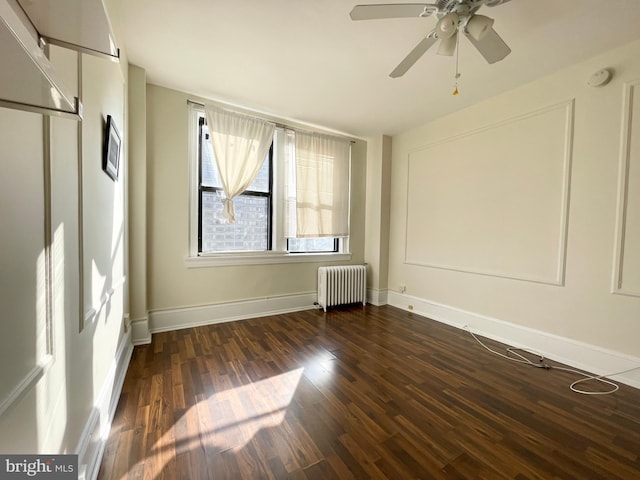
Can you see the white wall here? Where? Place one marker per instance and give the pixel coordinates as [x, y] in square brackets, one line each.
[509, 211]
[63, 268]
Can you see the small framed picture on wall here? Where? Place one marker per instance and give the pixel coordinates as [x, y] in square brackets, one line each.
[111, 149]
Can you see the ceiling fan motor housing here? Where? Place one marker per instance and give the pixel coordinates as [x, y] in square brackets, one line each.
[464, 7]
[461, 7]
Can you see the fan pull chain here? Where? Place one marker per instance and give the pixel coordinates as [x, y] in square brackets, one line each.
[455, 91]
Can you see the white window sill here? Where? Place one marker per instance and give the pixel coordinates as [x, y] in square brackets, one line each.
[261, 258]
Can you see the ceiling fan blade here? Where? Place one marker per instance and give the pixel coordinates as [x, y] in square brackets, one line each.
[414, 55]
[491, 47]
[448, 45]
[392, 10]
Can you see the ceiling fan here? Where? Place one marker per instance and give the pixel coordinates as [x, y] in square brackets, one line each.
[453, 16]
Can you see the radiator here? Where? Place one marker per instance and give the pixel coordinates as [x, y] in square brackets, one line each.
[342, 285]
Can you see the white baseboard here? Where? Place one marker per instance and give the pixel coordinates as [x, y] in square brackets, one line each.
[178, 318]
[583, 356]
[94, 436]
[140, 333]
[377, 297]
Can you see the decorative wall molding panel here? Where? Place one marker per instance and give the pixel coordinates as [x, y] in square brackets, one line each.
[26, 297]
[25, 385]
[101, 247]
[626, 267]
[478, 186]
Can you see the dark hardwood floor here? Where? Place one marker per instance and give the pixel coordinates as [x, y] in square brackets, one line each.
[357, 392]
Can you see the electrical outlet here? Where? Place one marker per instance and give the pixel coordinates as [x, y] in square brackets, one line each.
[403, 288]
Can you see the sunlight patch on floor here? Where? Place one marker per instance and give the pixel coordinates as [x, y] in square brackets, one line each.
[232, 417]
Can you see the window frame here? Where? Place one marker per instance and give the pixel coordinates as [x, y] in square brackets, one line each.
[278, 253]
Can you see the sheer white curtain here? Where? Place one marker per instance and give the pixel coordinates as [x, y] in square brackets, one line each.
[240, 144]
[317, 185]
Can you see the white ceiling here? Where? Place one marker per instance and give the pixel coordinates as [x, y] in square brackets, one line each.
[305, 60]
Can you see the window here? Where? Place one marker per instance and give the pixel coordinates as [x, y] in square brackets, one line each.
[307, 245]
[252, 229]
[258, 234]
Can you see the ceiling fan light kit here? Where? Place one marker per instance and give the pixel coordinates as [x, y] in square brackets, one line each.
[448, 46]
[478, 25]
[447, 26]
[447, 33]
[454, 16]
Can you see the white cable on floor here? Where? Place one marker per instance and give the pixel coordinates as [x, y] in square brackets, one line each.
[526, 361]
